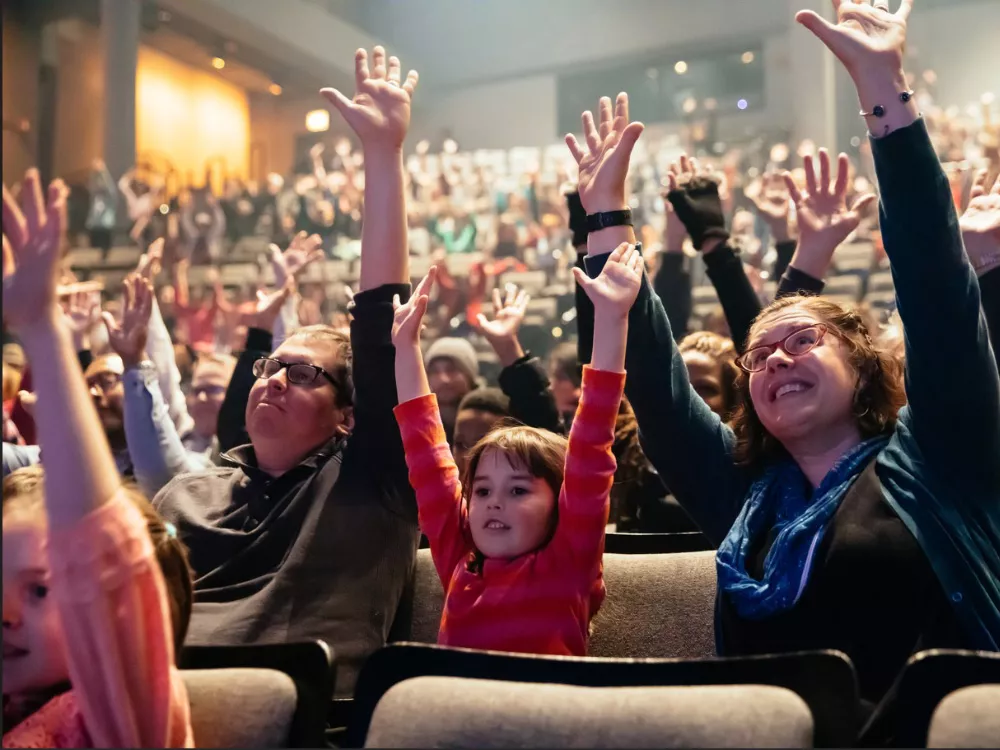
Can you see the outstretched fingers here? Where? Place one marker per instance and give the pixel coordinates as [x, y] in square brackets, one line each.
[606, 118]
[378, 63]
[394, 73]
[14, 225]
[361, 72]
[793, 190]
[590, 132]
[412, 78]
[824, 171]
[843, 170]
[574, 148]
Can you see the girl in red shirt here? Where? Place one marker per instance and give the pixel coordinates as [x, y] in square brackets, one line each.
[518, 541]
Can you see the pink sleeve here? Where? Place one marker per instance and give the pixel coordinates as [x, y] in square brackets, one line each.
[434, 477]
[113, 604]
[584, 502]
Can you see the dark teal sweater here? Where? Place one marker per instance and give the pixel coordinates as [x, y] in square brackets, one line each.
[940, 472]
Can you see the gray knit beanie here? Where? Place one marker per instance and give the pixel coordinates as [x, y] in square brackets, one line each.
[458, 351]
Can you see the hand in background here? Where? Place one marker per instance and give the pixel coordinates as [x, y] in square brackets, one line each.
[304, 250]
[614, 291]
[865, 37]
[81, 313]
[772, 200]
[151, 261]
[605, 160]
[32, 234]
[823, 216]
[380, 110]
[408, 317]
[128, 338]
[269, 306]
[693, 192]
[981, 225]
[501, 332]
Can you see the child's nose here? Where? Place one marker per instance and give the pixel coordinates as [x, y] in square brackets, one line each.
[11, 612]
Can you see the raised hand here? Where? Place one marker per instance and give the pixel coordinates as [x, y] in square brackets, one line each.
[408, 317]
[604, 161]
[32, 233]
[81, 313]
[824, 218]
[380, 110]
[508, 314]
[614, 291]
[693, 192]
[151, 261]
[501, 332]
[269, 305]
[981, 225]
[128, 338]
[866, 34]
[304, 250]
[772, 200]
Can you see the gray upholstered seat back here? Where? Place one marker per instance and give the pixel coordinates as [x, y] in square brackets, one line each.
[458, 712]
[969, 717]
[240, 707]
[657, 606]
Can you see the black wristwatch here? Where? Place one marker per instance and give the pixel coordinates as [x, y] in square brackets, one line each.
[606, 219]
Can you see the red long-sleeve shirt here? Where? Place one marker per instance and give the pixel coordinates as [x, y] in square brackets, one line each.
[541, 602]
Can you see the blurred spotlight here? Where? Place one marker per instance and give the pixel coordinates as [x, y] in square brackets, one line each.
[423, 147]
[711, 104]
[690, 105]
[972, 110]
[343, 147]
[275, 89]
[218, 63]
[855, 142]
[753, 172]
[742, 104]
[988, 98]
[748, 57]
[779, 153]
[164, 209]
[455, 322]
[450, 147]
[806, 148]
[681, 68]
[557, 332]
[317, 121]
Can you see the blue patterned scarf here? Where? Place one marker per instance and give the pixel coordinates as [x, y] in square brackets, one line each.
[780, 500]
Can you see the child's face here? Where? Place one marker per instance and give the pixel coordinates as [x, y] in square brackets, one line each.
[510, 511]
[34, 657]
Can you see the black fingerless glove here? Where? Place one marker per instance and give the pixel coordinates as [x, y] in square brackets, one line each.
[577, 219]
[699, 207]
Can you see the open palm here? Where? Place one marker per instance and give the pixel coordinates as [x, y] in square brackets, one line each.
[823, 215]
[408, 317]
[865, 35]
[614, 291]
[304, 250]
[604, 162]
[508, 314]
[32, 233]
[379, 113]
[981, 223]
[128, 337]
[770, 197]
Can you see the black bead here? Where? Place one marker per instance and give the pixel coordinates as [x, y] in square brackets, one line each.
[879, 111]
[905, 97]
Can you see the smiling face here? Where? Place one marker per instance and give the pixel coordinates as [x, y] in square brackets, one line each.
[511, 512]
[34, 657]
[795, 396]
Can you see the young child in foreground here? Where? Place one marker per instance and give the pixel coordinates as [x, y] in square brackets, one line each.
[518, 542]
[96, 588]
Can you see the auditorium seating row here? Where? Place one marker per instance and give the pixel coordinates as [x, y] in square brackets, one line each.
[651, 681]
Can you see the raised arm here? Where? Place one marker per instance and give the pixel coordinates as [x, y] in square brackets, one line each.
[154, 444]
[693, 192]
[682, 437]
[981, 236]
[432, 471]
[952, 386]
[380, 116]
[825, 221]
[131, 697]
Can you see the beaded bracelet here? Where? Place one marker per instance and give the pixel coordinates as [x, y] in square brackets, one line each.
[879, 111]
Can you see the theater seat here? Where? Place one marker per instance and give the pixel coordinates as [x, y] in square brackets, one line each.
[240, 707]
[657, 606]
[457, 712]
[967, 718]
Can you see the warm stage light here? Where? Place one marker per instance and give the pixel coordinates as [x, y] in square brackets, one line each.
[275, 89]
[317, 121]
[681, 68]
[747, 58]
[218, 63]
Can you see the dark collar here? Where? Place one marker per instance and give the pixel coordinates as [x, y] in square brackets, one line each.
[245, 457]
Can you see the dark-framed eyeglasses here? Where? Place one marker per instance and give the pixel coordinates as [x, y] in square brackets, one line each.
[299, 373]
[795, 344]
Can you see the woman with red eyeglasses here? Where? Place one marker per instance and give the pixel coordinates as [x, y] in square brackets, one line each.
[844, 519]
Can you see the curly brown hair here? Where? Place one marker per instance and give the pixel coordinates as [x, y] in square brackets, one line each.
[22, 490]
[878, 394]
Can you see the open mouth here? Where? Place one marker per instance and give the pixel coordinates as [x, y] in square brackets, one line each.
[495, 525]
[788, 389]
